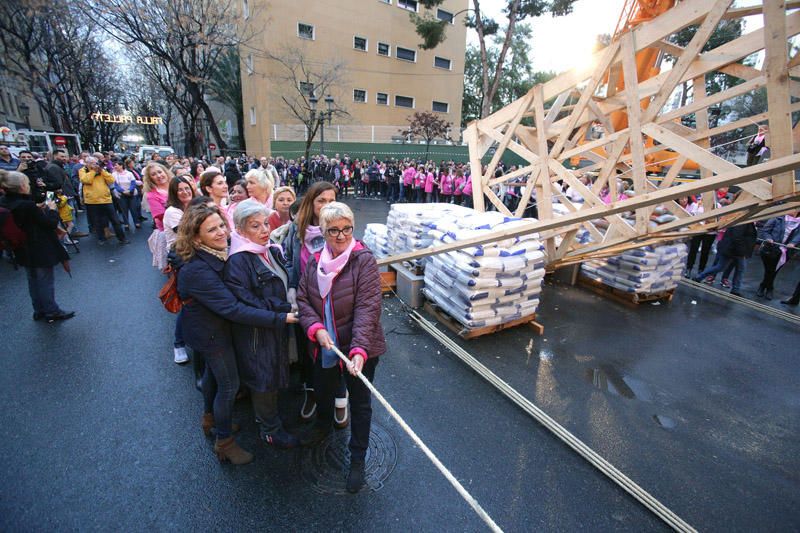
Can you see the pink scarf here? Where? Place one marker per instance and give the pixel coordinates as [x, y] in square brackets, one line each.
[312, 244]
[243, 244]
[329, 267]
[790, 224]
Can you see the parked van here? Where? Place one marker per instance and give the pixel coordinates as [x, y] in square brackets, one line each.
[146, 152]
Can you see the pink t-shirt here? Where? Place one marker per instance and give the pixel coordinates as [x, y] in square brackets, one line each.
[429, 182]
[157, 200]
[447, 184]
[408, 176]
[468, 186]
[459, 181]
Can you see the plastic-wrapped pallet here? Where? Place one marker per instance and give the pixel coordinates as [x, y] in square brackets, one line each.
[489, 284]
[406, 228]
[645, 270]
[376, 239]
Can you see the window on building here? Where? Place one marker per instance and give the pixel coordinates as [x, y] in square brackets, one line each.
[383, 99]
[384, 49]
[360, 96]
[252, 116]
[360, 43]
[441, 107]
[405, 53]
[403, 101]
[246, 9]
[446, 16]
[441, 62]
[386, 1]
[306, 87]
[305, 31]
[411, 5]
[249, 63]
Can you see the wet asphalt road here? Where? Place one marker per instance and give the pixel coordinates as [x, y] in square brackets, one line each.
[696, 402]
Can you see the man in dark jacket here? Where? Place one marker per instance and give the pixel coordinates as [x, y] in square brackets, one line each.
[41, 250]
[35, 171]
[736, 245]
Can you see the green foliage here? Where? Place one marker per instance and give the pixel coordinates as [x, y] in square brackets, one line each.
[430, 29]
[427, 125]
[726, 31]
[516, 78]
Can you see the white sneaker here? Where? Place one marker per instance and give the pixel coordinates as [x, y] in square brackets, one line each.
[181, 356]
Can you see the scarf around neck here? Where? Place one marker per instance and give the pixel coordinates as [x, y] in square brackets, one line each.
[222, 255]
[328, 267]
[791, 223]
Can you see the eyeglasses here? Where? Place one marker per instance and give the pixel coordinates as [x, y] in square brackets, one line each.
[335, 232]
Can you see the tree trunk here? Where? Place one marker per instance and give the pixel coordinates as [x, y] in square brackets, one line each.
[240, 128]
[199, 101]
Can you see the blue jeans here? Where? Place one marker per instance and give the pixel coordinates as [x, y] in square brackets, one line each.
[179, 343]
[41, 287]
[220, 385]
[723, 262]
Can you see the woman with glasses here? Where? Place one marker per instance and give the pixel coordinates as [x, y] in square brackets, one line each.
[339, 300]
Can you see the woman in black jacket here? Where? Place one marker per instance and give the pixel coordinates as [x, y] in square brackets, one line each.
[736, 245]
[255, 274]
[209, 308]
[41, 250]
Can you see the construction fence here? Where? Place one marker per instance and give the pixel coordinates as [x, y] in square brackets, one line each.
[355, 133]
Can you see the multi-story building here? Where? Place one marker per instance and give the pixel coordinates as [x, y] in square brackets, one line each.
[382, 75]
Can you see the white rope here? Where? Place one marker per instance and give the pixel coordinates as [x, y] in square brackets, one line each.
[435, 460]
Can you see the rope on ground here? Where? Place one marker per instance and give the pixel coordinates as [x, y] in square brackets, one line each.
[651, 503]
[435, 460]
[766, 309]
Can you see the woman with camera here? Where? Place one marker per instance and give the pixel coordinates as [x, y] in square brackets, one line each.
[41, 249]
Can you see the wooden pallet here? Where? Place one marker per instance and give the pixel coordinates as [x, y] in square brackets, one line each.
[458, 328]
[631, 299]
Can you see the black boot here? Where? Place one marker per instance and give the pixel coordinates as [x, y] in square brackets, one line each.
[316, 434]
[768, 294]
[760, 291]
[355, 478]
[790, 301]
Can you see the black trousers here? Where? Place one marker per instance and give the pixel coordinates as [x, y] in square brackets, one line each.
[702, 242]
[770, 271]
[327, 382]
[100, 216]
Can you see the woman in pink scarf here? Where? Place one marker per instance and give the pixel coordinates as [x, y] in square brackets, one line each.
[255, 274]
[780, 237]
[340, 305]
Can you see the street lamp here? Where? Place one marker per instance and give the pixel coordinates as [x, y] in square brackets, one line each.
[320, 117]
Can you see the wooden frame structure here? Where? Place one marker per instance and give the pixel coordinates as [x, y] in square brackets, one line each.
[767, 189]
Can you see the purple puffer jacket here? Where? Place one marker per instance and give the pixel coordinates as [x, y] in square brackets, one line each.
[356, 299]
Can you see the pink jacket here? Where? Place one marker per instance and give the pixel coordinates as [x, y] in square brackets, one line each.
[429, 182]
[408, 175]
[459, 181]
[446, 181]
[468, 186]
[157, 201]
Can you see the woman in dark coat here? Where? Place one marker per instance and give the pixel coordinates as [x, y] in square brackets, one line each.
[340, 304]
[255, 274]
[736, 245]
[209, 308]
[41, 250]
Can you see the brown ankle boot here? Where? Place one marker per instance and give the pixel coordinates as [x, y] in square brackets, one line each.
[228, 450]
[207, 423]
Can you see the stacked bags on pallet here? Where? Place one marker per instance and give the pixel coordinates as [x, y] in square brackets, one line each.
[484, 285]
[376, 238]
[646, 270]
[408, 225]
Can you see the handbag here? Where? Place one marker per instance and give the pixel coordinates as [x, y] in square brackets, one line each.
[168, 294]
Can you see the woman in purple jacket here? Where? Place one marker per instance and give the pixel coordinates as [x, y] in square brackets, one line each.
[340, 304]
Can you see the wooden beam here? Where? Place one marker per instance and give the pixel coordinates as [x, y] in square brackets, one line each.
[776, 67]
[740, 175]
[634, 109]
[509, 134]
[475, 167]
[684, 62]
[555, 109]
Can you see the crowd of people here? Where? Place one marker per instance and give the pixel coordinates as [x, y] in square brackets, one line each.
[269, 273]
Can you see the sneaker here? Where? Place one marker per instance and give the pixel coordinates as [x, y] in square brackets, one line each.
[725, 283]
[181, 356]
[78, 234]
[709, 280]
[340, 418]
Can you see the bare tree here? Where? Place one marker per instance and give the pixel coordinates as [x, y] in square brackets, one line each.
[429, 126]
[303, 78]
[191, 36]
[226, 87]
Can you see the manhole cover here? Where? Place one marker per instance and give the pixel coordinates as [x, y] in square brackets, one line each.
[325, 466]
